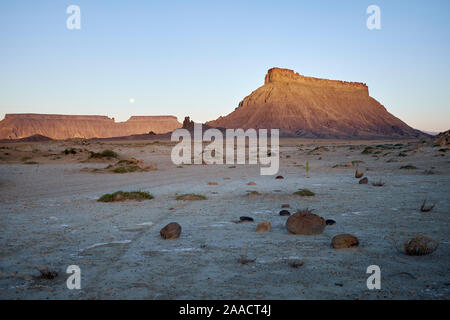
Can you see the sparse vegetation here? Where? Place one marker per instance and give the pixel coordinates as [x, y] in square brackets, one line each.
[47, 274]
[243, 258]
[307, 169]
[104, 154]
[70, 151]
[252, 193]
[408, 167]
[125, 196]
[367, 150]
[296, 263]
[191, 197]
[424, 207]
[30, 162]
[378, 183]
[420, 245]
[126, 169]
[304, 193]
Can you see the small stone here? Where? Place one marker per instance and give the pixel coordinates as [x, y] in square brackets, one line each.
[344, 241]
[263, 227]
[212, 183]
[251, 183]
[330, 222]
[279, 177]
[364, 181]
[171, 231]
[285, 206]
[285, 213]
[246, 219]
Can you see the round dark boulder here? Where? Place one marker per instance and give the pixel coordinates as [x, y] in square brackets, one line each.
[285, 213]
[171, 232]
[364, 181]
[306, 223]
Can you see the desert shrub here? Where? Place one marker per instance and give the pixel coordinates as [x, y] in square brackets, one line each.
[367, 150]
[47, 274]
[30, 162]
[70, 151]
[378, 183]
[190, 196]
[252, 193]
[408, 167]
[403, 154]
[420, 245]
[424, 207]
[103, 154]
[304, 193]
[126, 169]
[124, 196]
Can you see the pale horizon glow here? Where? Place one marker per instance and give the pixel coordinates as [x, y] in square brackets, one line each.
[200, 59]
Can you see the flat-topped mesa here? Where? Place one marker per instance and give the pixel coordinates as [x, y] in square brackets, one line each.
[287, 75]
[40, 116]
[310, 107]
[55, 126]
[146, 118]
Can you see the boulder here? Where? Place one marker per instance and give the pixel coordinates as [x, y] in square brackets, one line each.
[344, 241]
[245, 219]
[263, 227]
[305, 223]
[364, 181]
[171, 232]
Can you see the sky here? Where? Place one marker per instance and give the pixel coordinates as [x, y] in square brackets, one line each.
[201, 58]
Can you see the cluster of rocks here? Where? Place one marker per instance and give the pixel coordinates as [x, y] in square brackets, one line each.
[303, 222]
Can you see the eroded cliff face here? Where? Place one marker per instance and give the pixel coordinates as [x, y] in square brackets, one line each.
[317, 108]
[16, 126]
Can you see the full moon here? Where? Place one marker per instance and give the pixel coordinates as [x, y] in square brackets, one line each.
[131, 100]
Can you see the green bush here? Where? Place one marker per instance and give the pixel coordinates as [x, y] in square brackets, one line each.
[304, 193]
[124, 196]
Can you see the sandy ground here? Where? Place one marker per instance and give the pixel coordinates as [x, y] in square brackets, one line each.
[49, 217]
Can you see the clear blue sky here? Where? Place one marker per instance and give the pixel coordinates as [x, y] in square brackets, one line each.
[200, 58]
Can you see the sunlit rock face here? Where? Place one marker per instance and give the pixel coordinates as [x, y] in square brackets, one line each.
[317, 108]
[16, 126]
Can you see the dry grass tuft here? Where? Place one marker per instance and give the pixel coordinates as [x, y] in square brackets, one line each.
[378, 183]
[296, 263]
[243, 258]
[125, 196]
[191, 197]
[304, 193]
[420, 245]
[424, 208]
[47, 274]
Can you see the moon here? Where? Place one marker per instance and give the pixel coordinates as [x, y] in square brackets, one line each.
[131, 100]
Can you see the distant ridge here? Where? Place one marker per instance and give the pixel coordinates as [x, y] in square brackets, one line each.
[55, 126]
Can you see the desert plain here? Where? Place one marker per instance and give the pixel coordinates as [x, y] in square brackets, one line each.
[50, 218]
